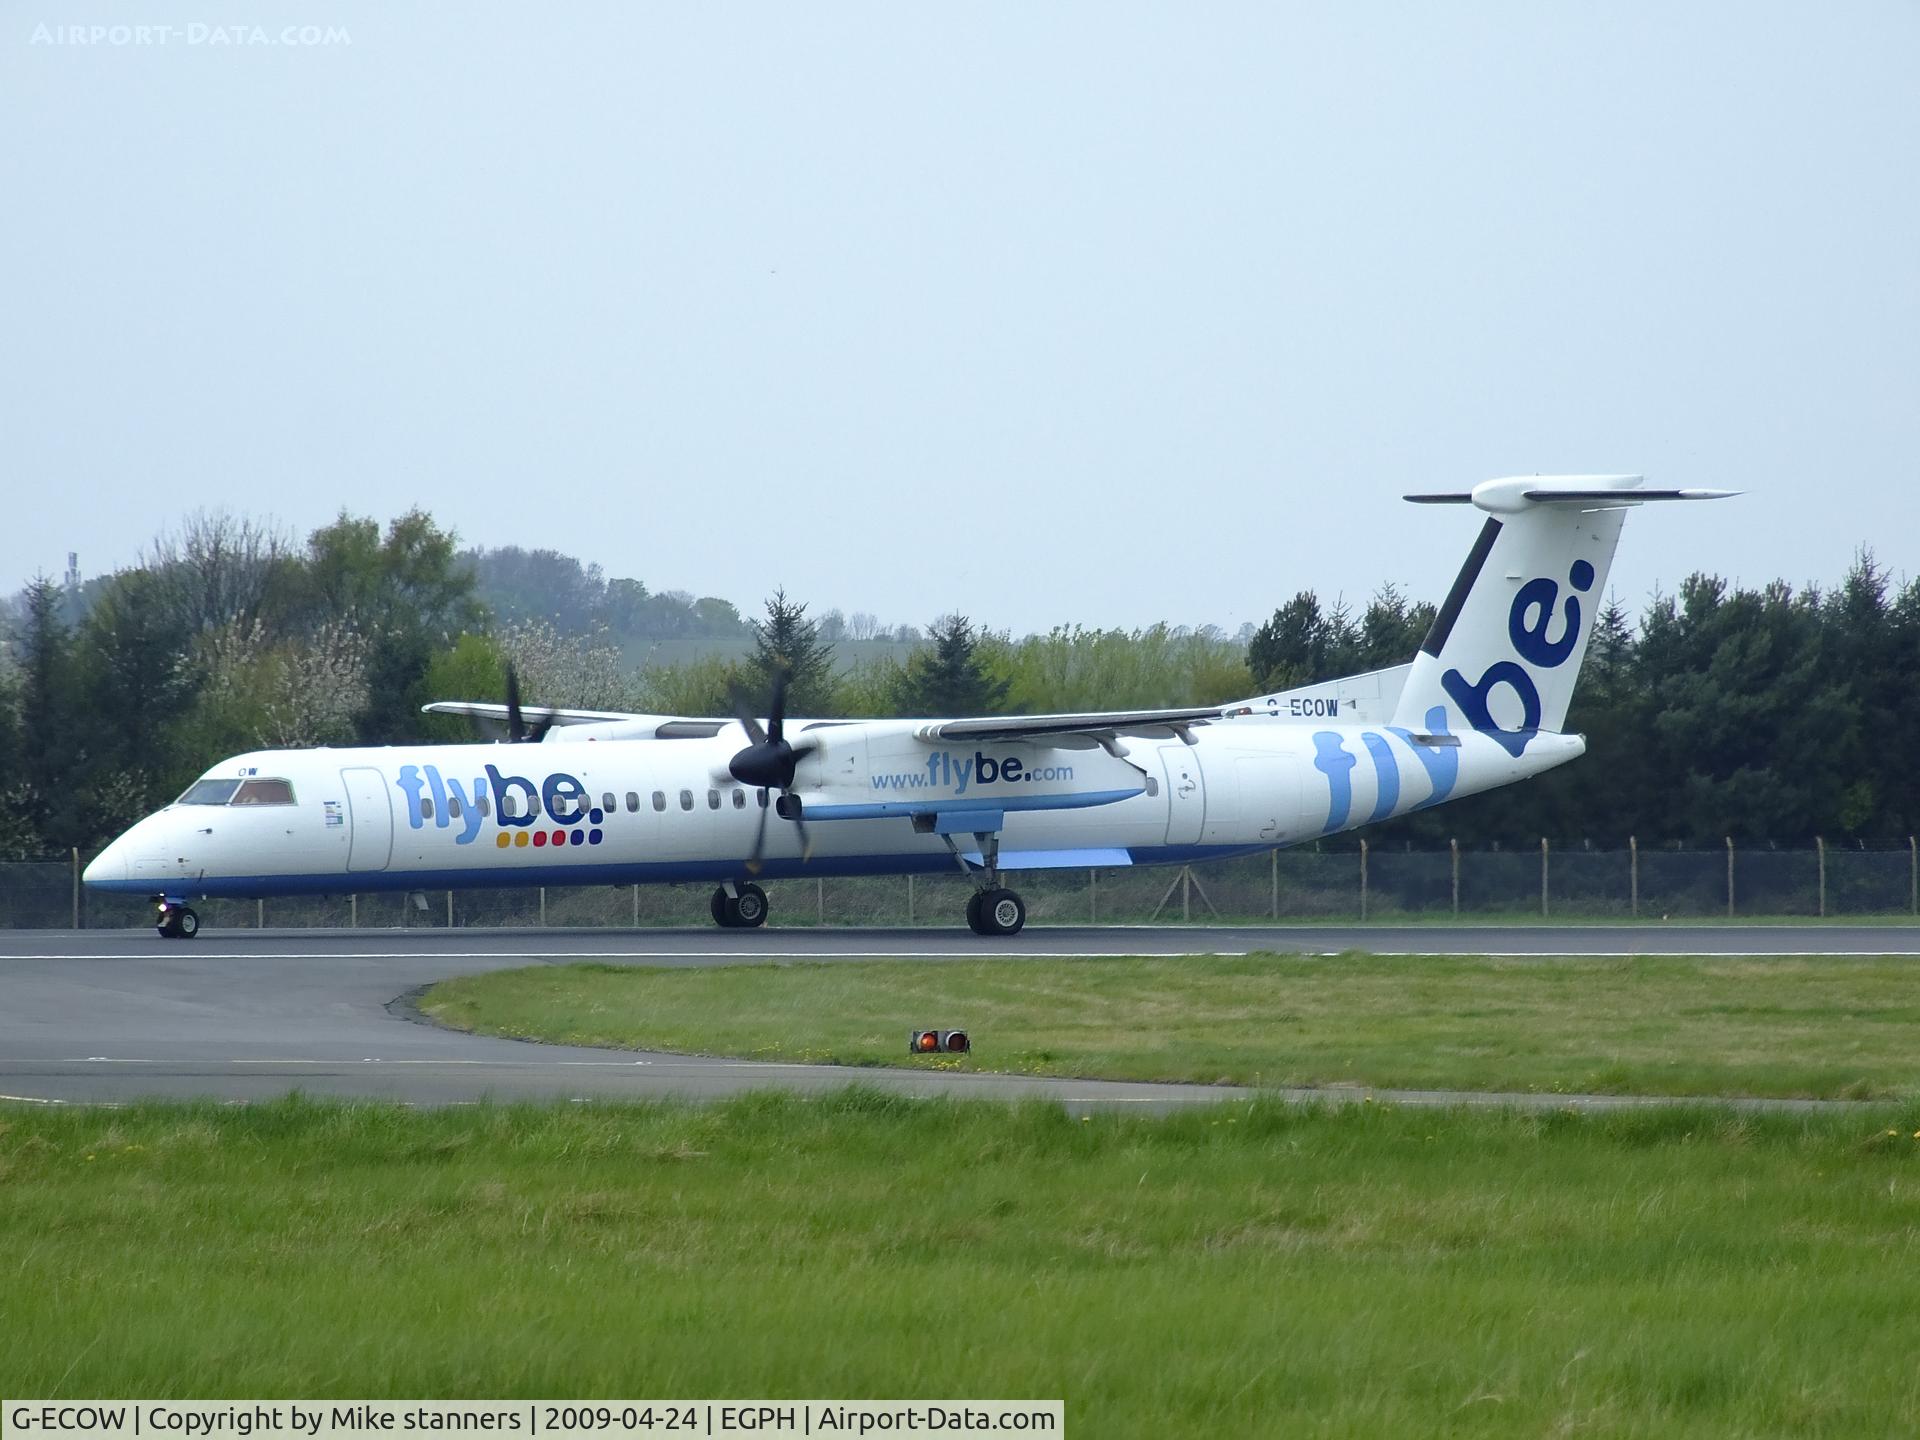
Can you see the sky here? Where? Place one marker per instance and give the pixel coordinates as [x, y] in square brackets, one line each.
[1097, 313]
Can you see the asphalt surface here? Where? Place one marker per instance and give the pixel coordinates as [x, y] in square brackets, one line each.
[239, 1015]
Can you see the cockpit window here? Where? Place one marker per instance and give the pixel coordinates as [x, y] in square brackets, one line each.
[264, 792]
[209, 792]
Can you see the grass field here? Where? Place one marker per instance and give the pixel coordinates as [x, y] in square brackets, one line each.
[1253, 1270]
[1831, 1028]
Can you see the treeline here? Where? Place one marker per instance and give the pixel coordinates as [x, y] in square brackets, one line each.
[1771, 715]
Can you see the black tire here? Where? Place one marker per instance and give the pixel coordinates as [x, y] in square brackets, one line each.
[750, 907]
[721, 908]
[1002, 912]
[187, 924]
[974, 921]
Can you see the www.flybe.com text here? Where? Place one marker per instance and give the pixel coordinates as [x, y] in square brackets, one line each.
[945, 771]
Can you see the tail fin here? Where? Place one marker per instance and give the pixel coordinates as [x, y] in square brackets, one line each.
[1506, 646]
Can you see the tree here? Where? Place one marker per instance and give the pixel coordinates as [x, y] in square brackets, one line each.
[787, 640]
[46, 789]
[409, 593]
[215, 569]
[950, 677]
[1294, 647]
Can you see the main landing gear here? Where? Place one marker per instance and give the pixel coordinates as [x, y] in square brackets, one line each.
[996, 910]
[738, 907]
[176, 921]
[992, 909]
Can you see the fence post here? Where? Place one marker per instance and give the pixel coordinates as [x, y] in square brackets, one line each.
[1093, 897]
[260, 914]
[1186, 894]
[819, 899]
[76, 887]
[1820, 849]
[1453, 846]
[1543, 877]
[543, 905]
[449, 909]
[353, 911]
[1729, 877]
[1633, 875]
[1273, 882]
[1363, 879]
[1913, 876]
[636, 904]
[909, 897]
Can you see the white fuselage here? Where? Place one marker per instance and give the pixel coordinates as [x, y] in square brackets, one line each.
[876, 799]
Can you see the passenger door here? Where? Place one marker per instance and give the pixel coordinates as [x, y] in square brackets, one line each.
[369, 819]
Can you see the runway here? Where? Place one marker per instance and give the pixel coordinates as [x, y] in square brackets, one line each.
[113, 1016]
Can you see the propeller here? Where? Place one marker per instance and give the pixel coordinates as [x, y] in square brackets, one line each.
[518, 731]
[769, 763]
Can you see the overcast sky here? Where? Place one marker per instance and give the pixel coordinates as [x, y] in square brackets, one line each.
[1095, 313]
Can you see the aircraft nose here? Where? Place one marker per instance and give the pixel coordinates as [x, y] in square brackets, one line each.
[109, 865]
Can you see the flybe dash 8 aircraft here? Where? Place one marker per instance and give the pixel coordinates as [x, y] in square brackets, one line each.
[617, 799]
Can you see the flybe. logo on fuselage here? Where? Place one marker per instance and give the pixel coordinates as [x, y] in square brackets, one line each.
[1528, 633]
[514, 801]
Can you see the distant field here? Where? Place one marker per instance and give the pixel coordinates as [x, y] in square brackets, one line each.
[1828, 1028]
[1253, 1270]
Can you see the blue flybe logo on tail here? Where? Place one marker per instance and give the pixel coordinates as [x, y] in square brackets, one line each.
[1530, 623]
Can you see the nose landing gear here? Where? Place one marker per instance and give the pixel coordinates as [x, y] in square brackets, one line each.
[176, 921]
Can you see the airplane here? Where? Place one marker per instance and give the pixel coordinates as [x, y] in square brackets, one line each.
[609, 798]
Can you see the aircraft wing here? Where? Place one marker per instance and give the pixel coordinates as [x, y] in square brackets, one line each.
[482, 710]
[1094, 725]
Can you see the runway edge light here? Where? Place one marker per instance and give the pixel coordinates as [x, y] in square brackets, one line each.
[938, 1042]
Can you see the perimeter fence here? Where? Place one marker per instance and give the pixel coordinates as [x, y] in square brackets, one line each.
[1553, 882]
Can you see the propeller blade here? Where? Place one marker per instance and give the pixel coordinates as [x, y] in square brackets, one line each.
[777, 714]
[516, 723]
[806, 838]
[759, 844]
[748, 720]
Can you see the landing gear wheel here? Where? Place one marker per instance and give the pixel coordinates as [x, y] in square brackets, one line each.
[721, 908]
[996, 912]
[177, 922]
[750, 907]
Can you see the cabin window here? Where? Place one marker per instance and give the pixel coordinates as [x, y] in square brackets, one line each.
[633, 801]
[483, 805]
[264, 792]
[426, 807]
[713, 799]
[1153, 786]
[686, 799]
[209, 792]
[606, 802]
[739, 799]
[659, 799]
[453, 806]
[763, 799]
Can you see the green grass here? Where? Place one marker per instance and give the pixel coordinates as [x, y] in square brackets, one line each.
[1254, 1270]
[1829, 1028]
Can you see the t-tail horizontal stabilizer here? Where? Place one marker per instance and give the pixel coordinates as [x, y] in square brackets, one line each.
[1506, 645]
